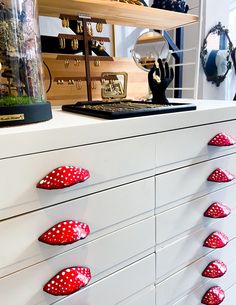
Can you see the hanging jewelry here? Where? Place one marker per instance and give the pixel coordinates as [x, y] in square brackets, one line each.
[79, 84]
[99, 27]
[74, 44]
[67, 23]
[77, 62]
[90, 29]
[71, 82]
[67, 63]
[101, 46]
[79, 27]
[93, 43]
[60, 82]
[97, 63]
[63, 22]
[62, 43]
[94, 85]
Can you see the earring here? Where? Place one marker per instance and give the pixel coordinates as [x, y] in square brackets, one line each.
[62, 43]
[77, 62]
[79, 84]
[90, 29]
[79, 28]
[71, 82]
[101, 46]
[60, 82]
[99, 27]
[63, 22]
[74, 44]
[97, 63]
[94, 85]
[67, 63]
[67, 23]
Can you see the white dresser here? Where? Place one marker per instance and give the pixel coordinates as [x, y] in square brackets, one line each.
[144, 204]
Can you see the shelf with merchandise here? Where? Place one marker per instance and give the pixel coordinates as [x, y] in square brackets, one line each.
[118, 13]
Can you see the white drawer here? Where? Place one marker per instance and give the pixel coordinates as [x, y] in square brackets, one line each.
[186, 250]
[195, 297]
[184, 146]
[191, 182]
[104, 212]
[188, 216]
[103, 256]
[145, 297]
[117, 287]
[109, 163]
[190, 277]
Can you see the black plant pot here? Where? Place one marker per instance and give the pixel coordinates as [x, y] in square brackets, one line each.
[25, 114]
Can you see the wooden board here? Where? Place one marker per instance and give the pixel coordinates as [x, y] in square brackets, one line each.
[117, 13]
[67, 94]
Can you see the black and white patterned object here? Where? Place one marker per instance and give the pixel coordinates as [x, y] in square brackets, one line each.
[171, 5]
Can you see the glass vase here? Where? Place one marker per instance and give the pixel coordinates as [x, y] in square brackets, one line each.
[22, 93]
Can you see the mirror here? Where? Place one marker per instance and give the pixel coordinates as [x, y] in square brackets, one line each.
[216, 53]
[148, 48]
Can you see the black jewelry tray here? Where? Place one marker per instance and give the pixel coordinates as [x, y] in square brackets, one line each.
[125, 109]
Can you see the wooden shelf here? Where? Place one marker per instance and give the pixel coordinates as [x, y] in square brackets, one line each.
[117, 13]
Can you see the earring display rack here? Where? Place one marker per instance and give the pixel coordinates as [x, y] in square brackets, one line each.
[84, 26]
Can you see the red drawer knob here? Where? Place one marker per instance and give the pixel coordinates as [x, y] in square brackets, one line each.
[63, 177]
[222, 139]
[68, 281]
[221, 175]
[65, 232]
[216, 240]
[215, 269]
[214, 296]
[217, 210]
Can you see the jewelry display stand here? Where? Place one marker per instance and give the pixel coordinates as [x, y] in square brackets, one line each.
[83, 28]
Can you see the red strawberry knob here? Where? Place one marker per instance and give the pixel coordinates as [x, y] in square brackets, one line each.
[216, 240]
[214, 296]
[63, 176]
[215, 269]
[217, 210]
[222, 139]
[68, 281]
[65, 232]
[221, 175]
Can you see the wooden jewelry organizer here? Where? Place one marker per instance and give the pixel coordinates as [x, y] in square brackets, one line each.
[83, 28]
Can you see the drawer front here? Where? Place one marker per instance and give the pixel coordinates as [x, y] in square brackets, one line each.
[185, 146]
[195, 297]
[191, 182]
[182, 252]
[104, 212]
[176, 218]
[146, 297]
[129, 282]
[103, 256]
[110, 164]
[190, 277]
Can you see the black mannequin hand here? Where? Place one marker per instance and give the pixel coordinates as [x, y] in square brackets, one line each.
[159, 83]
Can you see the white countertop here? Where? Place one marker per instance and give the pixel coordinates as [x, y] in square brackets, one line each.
[69, 129]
